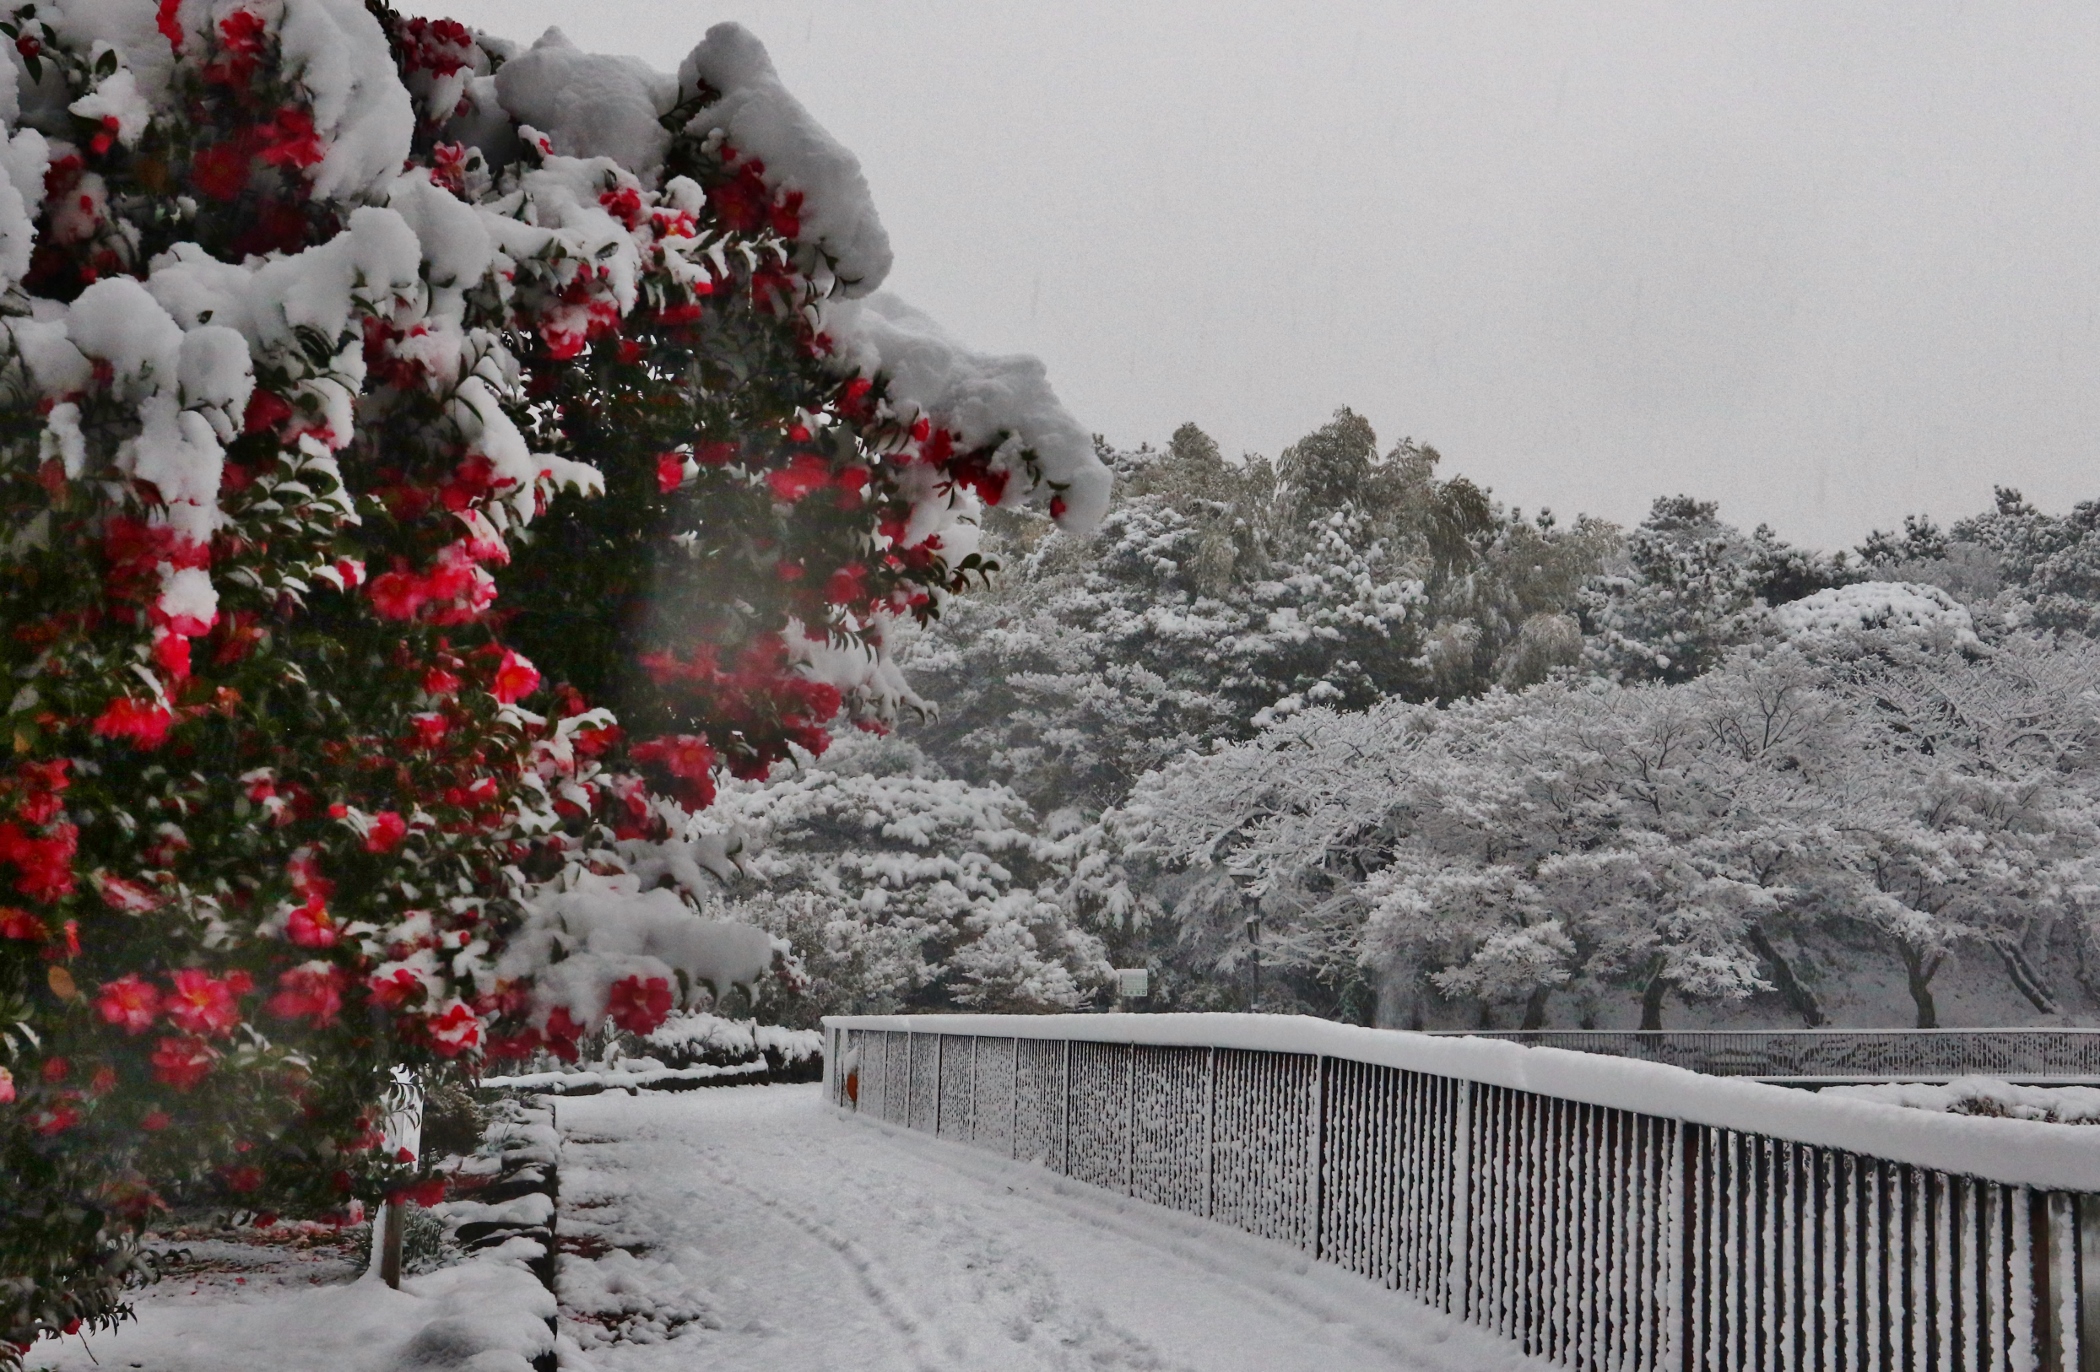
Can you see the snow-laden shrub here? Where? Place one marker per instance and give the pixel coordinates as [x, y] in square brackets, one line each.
[379, 405]
[1923, 612]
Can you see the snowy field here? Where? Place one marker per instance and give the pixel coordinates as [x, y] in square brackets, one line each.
[815, 1242]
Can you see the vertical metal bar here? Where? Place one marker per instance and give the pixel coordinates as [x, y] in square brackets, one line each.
[1318, 1149]
[2062, 1258]
[910, 1075]
[1013, 1135]
[1458, 1284]
[1064, 1147]
[2088, 1283]
[1130, 1124]
[1210, 1133]
[2027, 1269]
[1676, 1264]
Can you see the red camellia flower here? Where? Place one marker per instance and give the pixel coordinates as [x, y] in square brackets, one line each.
[291, 140]
[515, 678]
[170, 23]
[390, 989]
[204, 1004]
[130, 1001]
[807, 472]
[43, 866]
[562, 1032]
[182, 1062]
[153, 1121]
[145, 724]
[244, 1178]
[386, 832]
[221, 170]
[440, 682]
[54, 1119]
[311, 926]
[7, 1087]
[638, 1006]
[847, 585]
[397, 595]
[313, 992]
[454, 1030]
[670, 472]
[55, 1070]
[22, 925]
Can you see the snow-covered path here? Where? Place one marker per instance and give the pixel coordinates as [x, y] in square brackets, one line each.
[790, 1239]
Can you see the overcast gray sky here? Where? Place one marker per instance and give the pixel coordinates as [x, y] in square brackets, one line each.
[1826, 263]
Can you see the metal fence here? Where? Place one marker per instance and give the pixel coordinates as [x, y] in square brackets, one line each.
[2035, 1056]
[1592, 1234]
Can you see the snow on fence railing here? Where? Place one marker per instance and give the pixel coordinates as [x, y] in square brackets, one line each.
[2038, 1056]
[1602, 1212]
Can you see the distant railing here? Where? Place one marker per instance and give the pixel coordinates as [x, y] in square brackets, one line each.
[2033, 1056]
[1602, 1213]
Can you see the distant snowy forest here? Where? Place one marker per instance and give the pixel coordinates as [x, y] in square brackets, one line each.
[1340, 734]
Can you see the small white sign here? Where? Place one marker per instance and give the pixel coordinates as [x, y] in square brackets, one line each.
[1133, 983]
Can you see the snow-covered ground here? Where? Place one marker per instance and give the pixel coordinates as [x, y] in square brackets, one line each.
[784, 1237]
[751, 1227]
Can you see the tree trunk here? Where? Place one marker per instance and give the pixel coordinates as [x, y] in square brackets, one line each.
[1797, 996]
[1652, 999]
[1535, 1008]
[2024, 978]
[1920, 969]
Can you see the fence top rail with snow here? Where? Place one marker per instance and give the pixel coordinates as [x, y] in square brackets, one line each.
[2018, 1152]
[2040, 1057]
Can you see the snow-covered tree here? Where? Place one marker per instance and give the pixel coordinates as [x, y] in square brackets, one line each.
[2013, 563]
[1579, 842]
[1220, 595]
[901, 888]
[1688, 587]
[350, 361]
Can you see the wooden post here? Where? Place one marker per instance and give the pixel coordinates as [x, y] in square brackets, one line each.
[403, 1131]
[390, 1244]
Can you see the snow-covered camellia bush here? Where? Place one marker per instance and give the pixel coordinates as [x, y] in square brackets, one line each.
[423, 462]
